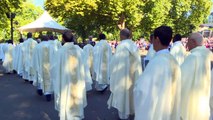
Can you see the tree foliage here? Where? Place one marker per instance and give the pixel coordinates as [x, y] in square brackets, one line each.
[93, 16]
[26, 12]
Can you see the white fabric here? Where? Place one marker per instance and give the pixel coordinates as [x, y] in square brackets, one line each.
[54, 46]
[1, 51]
[28, 69]
[88, 60]
[178, 51]
[70, 89]
[196, 83]
[126, 68]
[102, 57]
[43, 23]
[151, 53]
[157, 91]
[41, 62]
[8, 61]
[20, 58]
[211, 96]
[4, 48]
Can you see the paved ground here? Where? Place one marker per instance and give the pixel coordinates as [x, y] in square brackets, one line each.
[19, 101]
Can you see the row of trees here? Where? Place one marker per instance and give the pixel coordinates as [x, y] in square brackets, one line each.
[89, 17]
[25, 11]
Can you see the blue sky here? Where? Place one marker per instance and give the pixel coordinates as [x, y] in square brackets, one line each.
[39, 3]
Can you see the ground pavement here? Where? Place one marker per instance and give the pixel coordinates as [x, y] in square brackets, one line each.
[19, 101]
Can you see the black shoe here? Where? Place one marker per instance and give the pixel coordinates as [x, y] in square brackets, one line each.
[31, 82]
[39, 92]
[48, 97]
[26, 80]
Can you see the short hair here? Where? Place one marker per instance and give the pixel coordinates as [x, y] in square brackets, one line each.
[29, 35]
[51, 37]
[68, 36]
[126, 32]
[44, 38]
[102, 36]
[177, 37]
[21, 40]
[164, 33]
[197, 37]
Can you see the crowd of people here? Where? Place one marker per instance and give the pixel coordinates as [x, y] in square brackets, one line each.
[168, 84]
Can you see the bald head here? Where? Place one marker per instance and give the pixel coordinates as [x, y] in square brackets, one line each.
[194, 40]
[125, 34]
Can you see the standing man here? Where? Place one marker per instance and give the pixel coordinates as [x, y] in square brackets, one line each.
[157, 91]
[178, 50]
[28, 46]
[101, 63]
[196, 80]
[70, 91]
[126, 68]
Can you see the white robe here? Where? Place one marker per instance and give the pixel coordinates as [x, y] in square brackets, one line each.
[211, 96]
[102, 57]
[1, 51]
[126, 68]
[88, 60]
[54, 46]
[178, 51]
[157, 91]
[28, 71]
[8, 61]
[196, 81]
[41, 62]
[20, 62]
[70, 91]
[151, 52]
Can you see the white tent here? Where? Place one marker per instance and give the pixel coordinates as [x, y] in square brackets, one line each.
[43, 23]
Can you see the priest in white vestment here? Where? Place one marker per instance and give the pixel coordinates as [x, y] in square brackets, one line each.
[28, 69]
[196, 80]
[18, 54]
[88, 60]
[125, 69]
[8, 60]
[177, 49]
[70, 88]
[41, 62]
[150, 54]
[101, 63]
[157, 91]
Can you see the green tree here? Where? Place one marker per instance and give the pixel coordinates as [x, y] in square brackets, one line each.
[25, 13]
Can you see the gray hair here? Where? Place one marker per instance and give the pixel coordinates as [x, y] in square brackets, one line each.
[197, 37]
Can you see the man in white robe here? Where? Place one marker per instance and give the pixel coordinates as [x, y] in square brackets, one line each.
[41, 62]
[157, 91]
[177, 49]
[150, 54]
[1, 51]
[16, 55]
[8, 61]
[28, 46]
[70, 89]
[101, 63]
[125, 69]
[20, 63]
[88, 60]
[196, 80]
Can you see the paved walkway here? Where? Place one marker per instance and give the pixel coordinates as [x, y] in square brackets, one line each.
[19, 101]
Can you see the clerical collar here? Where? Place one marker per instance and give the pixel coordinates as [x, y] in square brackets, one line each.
[163, 51]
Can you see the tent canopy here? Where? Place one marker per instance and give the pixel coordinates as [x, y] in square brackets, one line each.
[43, 23]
